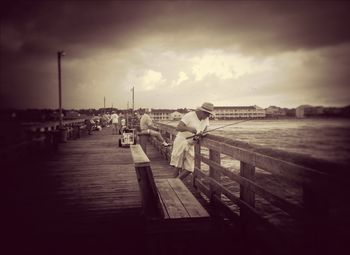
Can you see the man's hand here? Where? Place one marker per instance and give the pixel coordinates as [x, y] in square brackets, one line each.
[198, 136]
[192, 130]
[201, 134]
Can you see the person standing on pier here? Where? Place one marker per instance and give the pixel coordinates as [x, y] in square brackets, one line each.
[192, 123]
[147, 127]
[115, 122]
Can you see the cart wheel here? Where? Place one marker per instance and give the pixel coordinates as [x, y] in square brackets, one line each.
[120, 142]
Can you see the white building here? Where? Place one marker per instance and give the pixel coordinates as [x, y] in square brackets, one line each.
[175, 115]
[239, 112]
[161, 114]
[300, 111]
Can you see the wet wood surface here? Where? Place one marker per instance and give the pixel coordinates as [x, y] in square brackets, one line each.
[86, 190]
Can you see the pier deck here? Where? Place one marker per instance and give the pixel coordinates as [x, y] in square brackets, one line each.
[83, 199]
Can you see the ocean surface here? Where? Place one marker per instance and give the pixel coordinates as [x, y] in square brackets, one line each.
[318, 138]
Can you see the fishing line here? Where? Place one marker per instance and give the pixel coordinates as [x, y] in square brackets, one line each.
[231, 124]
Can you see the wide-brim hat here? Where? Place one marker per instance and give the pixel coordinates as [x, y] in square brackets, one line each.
[206, 107]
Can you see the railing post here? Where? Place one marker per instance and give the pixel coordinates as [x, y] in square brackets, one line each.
[214, 156]
[247, 195]
[316, 204]
[48, 139]
[76, 131]
[197, 162]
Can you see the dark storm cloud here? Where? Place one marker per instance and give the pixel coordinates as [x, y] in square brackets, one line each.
[32, 33]
[271, 25]
[284, 26]
[42, 28]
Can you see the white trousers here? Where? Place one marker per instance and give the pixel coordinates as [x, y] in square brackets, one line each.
[182, 155]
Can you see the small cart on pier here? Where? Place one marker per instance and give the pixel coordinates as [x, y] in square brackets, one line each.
[128, 137]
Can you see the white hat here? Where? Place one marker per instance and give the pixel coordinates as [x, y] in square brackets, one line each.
[206, 107]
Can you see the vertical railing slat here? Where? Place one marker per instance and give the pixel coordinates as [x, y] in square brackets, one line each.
[246, 194]
[216, 175]
[197, 162]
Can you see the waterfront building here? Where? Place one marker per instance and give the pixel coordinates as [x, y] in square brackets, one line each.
[161, 114]
[300, 111]
[176, 115]
[274, 111]
[239, 112]
[303, 111]
[167, 114]
[220, 112]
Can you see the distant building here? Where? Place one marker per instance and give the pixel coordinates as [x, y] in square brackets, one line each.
[290, 112]
[334, 111]
[238, 112]
[300, 111]
[274, 111]
[309, 111]
[176, 115]
[161, 114]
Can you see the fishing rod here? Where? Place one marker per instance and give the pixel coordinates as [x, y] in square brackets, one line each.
[231, 124]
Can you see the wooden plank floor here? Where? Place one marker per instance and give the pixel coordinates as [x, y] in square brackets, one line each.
[160, 167]
[83, 199]
[86, 191]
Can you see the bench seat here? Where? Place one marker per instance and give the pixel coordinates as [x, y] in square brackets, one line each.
[167, 201]
[177, 201]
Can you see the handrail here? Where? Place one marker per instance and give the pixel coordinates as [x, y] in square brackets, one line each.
[52, 125]
[313, 177]
[40, 138]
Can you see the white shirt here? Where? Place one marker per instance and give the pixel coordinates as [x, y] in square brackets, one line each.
[182, 155]
[114, 118]
[191, 120]
[145, 122]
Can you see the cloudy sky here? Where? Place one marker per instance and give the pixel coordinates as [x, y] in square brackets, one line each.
[175, 53]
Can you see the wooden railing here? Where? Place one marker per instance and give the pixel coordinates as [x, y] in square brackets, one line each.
[297, 191]
[33, 139]
[50, 126]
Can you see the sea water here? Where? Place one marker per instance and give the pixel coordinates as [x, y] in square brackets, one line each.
[324, 138]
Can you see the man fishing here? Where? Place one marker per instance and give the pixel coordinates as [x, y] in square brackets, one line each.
[147, 127]
[192, 123]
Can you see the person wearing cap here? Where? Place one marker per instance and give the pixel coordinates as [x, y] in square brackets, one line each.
[147, 127]
[192, 123]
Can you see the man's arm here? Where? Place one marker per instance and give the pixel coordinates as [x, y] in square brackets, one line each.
[150, 124]
[182, 127]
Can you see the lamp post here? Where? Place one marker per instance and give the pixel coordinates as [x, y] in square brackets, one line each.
[59, 55]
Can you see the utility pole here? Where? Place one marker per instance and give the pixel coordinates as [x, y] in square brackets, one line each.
[133, 98]
[59, 56]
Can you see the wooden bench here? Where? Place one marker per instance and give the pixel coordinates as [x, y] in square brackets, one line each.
[167, 201]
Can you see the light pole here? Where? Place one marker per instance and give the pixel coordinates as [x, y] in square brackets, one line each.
[59, 55]
[133, 98]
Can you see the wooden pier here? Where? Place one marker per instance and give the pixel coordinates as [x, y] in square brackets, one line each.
[83, 197]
